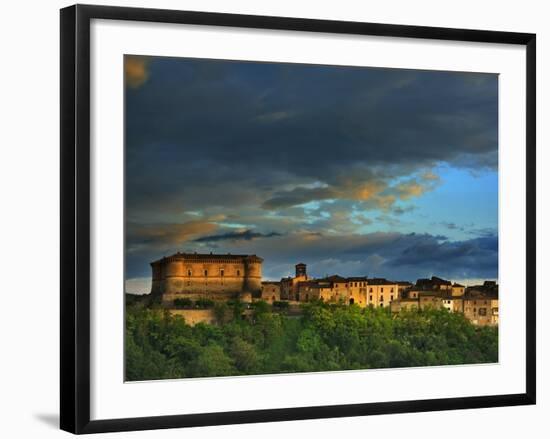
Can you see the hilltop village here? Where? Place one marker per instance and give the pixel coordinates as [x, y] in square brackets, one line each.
[186, 278]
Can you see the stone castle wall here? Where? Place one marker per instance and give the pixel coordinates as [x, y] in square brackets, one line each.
[214, 277]
[194, 316]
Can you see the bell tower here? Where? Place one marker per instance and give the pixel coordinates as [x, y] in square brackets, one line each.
[301, 270]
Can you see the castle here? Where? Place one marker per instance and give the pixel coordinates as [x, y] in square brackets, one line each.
[210, 276]
[219, 277]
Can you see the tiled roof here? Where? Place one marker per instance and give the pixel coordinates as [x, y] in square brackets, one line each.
[473, 294]
[380, 281]
[334, 278]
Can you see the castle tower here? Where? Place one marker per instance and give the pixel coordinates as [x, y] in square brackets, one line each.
[253, 275]
[301, 270]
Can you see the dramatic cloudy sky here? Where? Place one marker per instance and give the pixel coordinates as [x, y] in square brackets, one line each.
[355, 171]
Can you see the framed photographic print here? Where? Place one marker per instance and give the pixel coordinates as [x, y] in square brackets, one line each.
[304, 218]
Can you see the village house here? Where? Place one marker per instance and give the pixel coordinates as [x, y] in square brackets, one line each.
[271, 291]
[480, 304]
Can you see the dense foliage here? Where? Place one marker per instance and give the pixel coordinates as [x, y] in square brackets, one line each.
[326, 337]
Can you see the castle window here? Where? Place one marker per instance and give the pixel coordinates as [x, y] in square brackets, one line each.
[382, 289]
[370, 290]
[222, 272]
[205, 273]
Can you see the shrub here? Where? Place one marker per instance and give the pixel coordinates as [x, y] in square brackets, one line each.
[184, 302]
[280, 304]
[204, 303]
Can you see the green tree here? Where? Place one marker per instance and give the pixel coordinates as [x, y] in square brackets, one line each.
[212, 361]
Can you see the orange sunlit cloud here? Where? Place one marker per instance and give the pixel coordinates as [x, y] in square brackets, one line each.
[136, 70]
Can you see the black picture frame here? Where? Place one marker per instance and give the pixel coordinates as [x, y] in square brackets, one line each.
[75, 217]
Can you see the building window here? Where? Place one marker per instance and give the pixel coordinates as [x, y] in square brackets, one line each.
[370, 298]
[205, 273]
[482, 311]
[370, 290]
[391, 291]
[391, 297]
[381, 298]
[382, 289]
[238, 272]
[475, 310]
[222, 272]
[189, 273]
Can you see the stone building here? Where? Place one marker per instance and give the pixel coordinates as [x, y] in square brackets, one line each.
[403, 304]
[212, 276]
[480, 305]
[430, 299]
[329, 289]
[289, 285]
[357, 287]
[381, 292]
[350, 291]
[457, 290]
[271, 291]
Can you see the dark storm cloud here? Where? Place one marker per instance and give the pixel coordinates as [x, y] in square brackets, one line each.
[298, 196]
[393, 255]
[258, 126]
[476, 254]
[246, 235]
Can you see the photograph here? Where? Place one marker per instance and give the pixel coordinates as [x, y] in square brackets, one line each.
[292, 218]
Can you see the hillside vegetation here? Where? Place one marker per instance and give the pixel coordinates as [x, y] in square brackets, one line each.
[325, 338]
